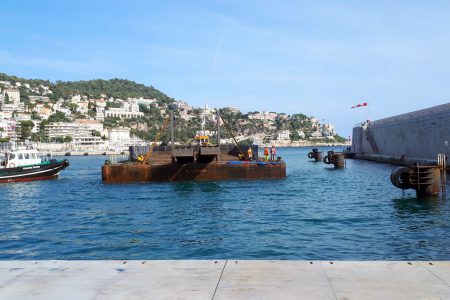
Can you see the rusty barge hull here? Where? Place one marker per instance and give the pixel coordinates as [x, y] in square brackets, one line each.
[132, 173]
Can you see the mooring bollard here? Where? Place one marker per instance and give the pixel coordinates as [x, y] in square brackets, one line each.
[335, 158]
[426, 180]
[316, 154]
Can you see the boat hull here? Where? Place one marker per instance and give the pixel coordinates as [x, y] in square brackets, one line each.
[128, 173]
[31, 173]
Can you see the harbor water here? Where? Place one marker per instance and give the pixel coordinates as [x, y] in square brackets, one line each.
[317, 212]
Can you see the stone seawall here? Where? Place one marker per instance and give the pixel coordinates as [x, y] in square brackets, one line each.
[413, 137]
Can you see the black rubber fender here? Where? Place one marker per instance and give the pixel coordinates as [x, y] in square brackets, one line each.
[315, 150]
[326, 160]
[310, 155]
[400, 178]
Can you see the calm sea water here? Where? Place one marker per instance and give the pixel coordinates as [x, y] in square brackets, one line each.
[316, 213]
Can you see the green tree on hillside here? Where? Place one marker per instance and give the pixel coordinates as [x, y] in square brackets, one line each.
[25, 129]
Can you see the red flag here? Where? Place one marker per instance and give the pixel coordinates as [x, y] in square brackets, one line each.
[360, 105]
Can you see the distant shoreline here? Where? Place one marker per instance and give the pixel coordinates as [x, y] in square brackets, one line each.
[88, 152]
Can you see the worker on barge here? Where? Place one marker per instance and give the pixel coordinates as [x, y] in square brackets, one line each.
[250, 153]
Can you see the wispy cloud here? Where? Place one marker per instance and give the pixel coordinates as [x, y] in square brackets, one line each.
[217, 53]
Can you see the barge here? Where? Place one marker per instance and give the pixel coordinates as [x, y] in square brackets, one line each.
[202, 162]
[162, 168]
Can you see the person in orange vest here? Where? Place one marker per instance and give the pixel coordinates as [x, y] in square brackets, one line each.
[273, 153]
[266, 153]
[250, 153]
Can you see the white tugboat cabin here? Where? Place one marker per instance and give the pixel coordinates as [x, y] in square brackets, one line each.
[20, 158]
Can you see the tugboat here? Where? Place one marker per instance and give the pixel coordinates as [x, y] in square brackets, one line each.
[27, 165]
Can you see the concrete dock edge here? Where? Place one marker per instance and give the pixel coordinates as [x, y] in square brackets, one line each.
[224, 279]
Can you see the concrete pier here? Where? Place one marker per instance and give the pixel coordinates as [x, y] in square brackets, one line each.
[415, 137]
[224, 279]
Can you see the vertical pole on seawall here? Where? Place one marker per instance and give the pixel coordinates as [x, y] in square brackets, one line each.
[218, 126]
[171, 130]
[218, 131]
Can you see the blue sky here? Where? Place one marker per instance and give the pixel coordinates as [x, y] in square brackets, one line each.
[313, 57]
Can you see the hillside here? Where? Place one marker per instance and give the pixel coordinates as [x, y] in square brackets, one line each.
[115, 88]
[43, 102]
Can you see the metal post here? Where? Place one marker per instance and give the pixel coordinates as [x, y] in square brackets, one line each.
[218, 127]
[218, 133]
[171, 130]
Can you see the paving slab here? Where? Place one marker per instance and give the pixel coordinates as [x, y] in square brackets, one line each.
[110, 279]
[384, 280]
[440, 269]
[243, 279]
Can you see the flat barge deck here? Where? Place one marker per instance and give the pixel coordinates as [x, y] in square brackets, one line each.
[161, 168]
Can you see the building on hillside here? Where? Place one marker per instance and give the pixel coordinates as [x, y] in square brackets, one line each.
[13, 94]
[13, 107]
[301, 134]
[127, 110]
[90, 125]
[183, 106]
[316, 135]
[283, 135]
[42, 99]
[75, 98]
[43, 110]
[143, 101]
[100, 102]
[3, 129]
[118, 136]
[100, 114]
[64, 110]
[234, 110]
[81, 134]
[83, 107]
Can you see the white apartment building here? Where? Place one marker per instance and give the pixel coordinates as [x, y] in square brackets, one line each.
[3, 129]
[83, 107]
[100, 114]
[142, 100]
[75, 98]
[119, 136]
[13, 94]
[283, 135]
[127, 110]
[80, 133]
[13, 107]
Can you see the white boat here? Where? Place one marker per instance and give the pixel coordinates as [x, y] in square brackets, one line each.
[27, 165]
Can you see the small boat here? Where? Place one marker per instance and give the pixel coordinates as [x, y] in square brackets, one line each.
[27, 165]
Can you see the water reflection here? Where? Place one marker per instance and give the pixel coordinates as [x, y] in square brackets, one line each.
[407, 206]
[183, 188]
